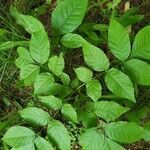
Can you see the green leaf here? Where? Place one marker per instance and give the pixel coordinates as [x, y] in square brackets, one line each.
[69, 113]
[138, 114]
[11, 44]
[65, 78]
[30, 115]
[92, 140]
[141, 44]
[25, 147]
[95, 58]
[51, 102]
[71, 40]
[146, 135]
[120, 84]
[42, 144]
[83, 74]
[111, 145]
[88, 119]
[109, 110]
[130, 17]
[94, 89]
[118, 40]
[68, 15]
[29, 73]
[40, 46]
[60, 90]
[18, 136]
[56, 64]
[139, 71]
[124, 132]
[58, 134]
[24, 57]
[30, 23]
[43, 83]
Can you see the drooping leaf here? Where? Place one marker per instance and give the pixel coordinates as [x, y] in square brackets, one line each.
[68, 15]
[29, 73]
[71, 40]
[139, 71]
[124, 132]
[42, 144]
[83, 74]
[141, 44]
[30, 23]
[18, 136]
[11, 44]
[109, 110]
[92, 140]
[25, 147]
[43, 83]
[65, 78]
[69, 113]
[95, 58]
[24, 57]
[118, 40]
[35, 116]
[51, 102]
[94, 89]
[58, 134]
[40, 46]
[120, 84]
[56, 64]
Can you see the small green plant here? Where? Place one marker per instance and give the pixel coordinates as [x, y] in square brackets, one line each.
[80, 100]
